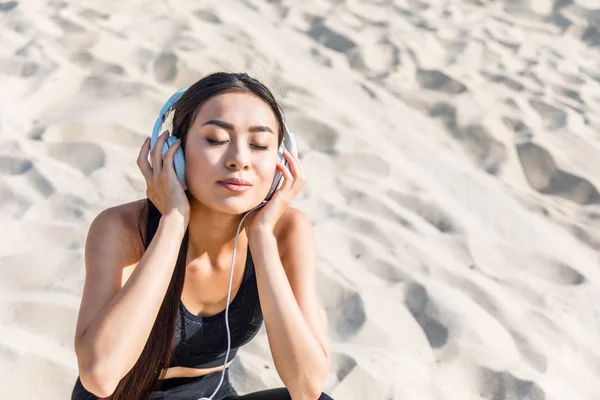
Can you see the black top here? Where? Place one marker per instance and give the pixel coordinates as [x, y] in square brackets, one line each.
[201, 342]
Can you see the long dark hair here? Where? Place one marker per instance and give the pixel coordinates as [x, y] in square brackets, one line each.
[143, 378]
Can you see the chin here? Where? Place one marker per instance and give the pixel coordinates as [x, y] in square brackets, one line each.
[233, 205]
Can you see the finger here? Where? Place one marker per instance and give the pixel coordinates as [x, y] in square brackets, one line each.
[288, 179]
[142, 161]
[294, 164]
[296, 170]
[169, 155]
[156, 155]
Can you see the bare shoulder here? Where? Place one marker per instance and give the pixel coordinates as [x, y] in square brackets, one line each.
[132, 215]
[293, 229]
[123, 225]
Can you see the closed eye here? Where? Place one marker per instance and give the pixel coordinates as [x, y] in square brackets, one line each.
[215, 143]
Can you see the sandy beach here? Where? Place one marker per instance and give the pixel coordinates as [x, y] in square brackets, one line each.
[452, 155]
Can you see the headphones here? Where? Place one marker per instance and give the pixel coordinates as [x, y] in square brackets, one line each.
[166, 114]
[288, 143]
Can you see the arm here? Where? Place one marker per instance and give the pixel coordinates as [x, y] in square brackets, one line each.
[114, 322]
[289, 303]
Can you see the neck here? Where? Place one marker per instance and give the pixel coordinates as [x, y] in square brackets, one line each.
[212, 233]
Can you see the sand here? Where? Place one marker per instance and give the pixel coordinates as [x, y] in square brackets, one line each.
[451, 150]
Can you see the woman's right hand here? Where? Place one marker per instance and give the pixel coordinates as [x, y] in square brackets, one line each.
[162, 185]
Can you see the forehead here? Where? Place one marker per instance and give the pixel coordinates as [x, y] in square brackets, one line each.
[238, 109]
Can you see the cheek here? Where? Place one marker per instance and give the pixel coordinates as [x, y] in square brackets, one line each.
[199, 157]
[265, 168]
[198, 169]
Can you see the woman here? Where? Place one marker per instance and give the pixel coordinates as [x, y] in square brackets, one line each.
[151, 323]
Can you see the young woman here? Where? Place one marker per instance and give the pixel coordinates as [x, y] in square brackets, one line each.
[152, 318]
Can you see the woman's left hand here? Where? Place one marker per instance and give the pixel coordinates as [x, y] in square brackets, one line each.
[265, 218]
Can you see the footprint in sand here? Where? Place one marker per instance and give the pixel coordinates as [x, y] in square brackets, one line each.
[13, 203]
[319, 136]
[66, 25]
[571, 78]
[7, 6]
[544, 176]
[591, 36]
[85, 157]
[14, 166]
[430, 212]
[328, 37]
[349, 315]
[85, 59]
[488, 153]
[439, 81]
[320, 57]
[39, 182]
[207, 16]
[369, 229]
[360, 200]
[494, 385]
[417, 302]
[509, 82]
[373, 264]
[63, 207]
[536, 359]
[563, 274]
[344, 307]
[503, 261]
[568, 93]
[18, 66]
[93, 15]
[386, 271]
[342, 364]
[588, 235]
[102, 87]
[522, 131]
[553, 117]
[376, 59]
[165, 67]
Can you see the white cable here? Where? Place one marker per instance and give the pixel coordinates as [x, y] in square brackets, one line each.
[227, 305]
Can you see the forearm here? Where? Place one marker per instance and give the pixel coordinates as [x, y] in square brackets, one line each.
[115, 339]
[299, 358]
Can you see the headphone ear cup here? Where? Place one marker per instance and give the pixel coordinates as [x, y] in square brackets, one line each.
[178, 160]
[277, 178]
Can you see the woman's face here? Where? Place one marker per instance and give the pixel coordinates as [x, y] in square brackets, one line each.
[234, 135]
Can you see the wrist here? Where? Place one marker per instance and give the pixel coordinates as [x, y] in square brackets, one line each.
[174, 221]
[260, 233]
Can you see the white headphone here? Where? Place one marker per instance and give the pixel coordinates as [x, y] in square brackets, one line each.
[288, 143]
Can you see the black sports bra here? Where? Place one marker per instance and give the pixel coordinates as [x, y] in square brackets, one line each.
[201, 342]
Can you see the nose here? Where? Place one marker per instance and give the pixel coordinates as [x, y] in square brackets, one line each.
[237, 156]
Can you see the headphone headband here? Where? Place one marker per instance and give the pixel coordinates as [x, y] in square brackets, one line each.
[288, 138]
[163, 112]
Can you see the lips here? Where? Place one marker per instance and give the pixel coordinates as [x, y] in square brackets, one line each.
[236, 181]
[236, 185]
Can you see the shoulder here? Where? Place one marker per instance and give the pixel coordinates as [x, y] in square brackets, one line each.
[123, 216]
[292, 220]
[119, 229]
[293, 230]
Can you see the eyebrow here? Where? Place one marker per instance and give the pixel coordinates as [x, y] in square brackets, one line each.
[230, 127]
